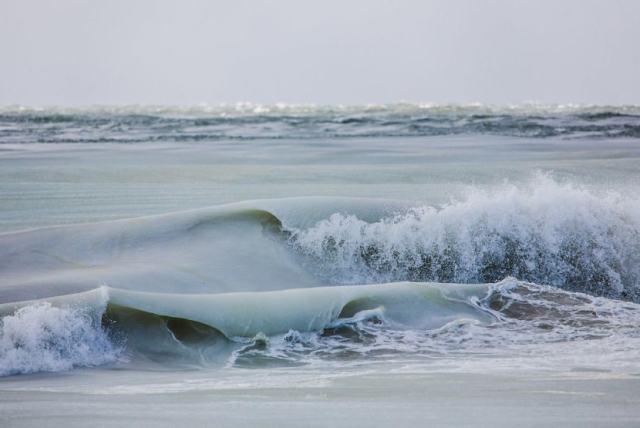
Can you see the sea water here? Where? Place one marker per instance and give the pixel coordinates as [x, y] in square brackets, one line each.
[305, 265]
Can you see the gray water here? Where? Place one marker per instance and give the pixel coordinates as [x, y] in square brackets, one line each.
[299, 265]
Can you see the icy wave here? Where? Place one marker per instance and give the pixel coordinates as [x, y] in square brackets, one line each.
[547, 232]
[303, 326]
[525, 319]
[63, 332]
[229, 248]
[42, 337]
[544, 231]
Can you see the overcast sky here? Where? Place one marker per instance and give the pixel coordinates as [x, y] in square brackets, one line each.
[75, 52]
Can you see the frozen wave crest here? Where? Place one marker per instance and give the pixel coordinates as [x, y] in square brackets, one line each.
[546, 232]
[42, 337]
[526, 319]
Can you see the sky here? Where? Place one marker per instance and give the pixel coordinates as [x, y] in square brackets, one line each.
[86, 52]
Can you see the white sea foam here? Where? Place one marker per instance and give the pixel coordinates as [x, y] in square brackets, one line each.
[545, 232]
[42, 337]
[251, 109]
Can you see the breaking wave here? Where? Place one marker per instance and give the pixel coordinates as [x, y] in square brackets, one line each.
[42, 337]
[546, 232]
[523, 319]
[364, 323]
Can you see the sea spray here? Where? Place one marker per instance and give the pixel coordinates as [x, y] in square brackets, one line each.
[545, 232]
[42, 337]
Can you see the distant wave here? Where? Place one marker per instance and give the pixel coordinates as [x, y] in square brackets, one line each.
[246, 121]
[280, 109]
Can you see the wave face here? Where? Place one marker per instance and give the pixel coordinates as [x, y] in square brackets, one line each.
[42, 337]
[526, 321]
[317, 326]
[546, 232]
[132, 124]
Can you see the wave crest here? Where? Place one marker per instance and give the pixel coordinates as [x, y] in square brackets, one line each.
[548, 233]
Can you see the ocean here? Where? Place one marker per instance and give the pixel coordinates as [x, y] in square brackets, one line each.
[300, 265]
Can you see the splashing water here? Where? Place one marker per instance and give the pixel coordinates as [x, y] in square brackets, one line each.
[548, 233]
[42, 337]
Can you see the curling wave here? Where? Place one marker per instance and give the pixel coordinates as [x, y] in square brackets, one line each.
[544, 232]
[300, 326]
